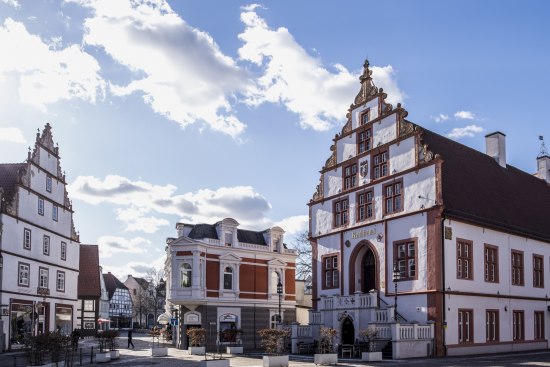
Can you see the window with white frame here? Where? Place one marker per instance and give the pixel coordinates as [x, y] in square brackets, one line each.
[46, 245]
[63, 251]
[89, 305]
[186, 273]
[40, 206]
[24, 273]
[55, 212]
[49, 183]
[43, 278]
[275, 279]
[27, 239]
[60, 284]
[228, 278]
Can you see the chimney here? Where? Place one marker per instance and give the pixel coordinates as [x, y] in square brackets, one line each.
[495, 144]
[543, 166]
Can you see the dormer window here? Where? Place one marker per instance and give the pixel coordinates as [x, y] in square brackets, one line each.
[228, 239]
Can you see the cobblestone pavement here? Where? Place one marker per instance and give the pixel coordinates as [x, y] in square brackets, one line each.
[141, 356]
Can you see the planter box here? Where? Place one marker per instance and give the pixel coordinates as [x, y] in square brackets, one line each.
[159, 352]
[371, 356]
[115, 354]
[234, 350]
[103, 357]
[215, 363]
[328, 358]
[196, 350]
[275, 361]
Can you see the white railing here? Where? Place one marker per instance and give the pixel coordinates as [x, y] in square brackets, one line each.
[358, 300]
[382, 316]
[383, 332]
[315, 317]
[213, 241]
[406, 332]
[414, 332]
[254, 246]
[303, 331]
[289, 251]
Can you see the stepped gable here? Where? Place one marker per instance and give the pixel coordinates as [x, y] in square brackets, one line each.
[88, 277]
[10, 174]
[112, 283]
[475, 187]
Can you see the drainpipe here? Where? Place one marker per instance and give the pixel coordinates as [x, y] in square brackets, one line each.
[443, 280]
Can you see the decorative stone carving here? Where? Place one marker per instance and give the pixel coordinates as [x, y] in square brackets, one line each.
[385, 108]
[364, 168]
[75, 236]
[319, 190]
[368, 89]
[347, 127]
[424, 154]
[331, 161]
[46, 139]
[405, 127]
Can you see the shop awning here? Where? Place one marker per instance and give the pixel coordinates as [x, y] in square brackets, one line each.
[103, 320]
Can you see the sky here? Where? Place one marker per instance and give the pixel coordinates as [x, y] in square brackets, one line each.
[195, 111]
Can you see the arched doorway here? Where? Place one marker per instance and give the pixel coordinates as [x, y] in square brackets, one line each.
[348, 332]
[368, 276]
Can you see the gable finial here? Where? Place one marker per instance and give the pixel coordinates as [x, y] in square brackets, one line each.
[368, 89]
[543, 150]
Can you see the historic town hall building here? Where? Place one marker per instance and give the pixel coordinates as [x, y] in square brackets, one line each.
[39, 247]
[463, 237]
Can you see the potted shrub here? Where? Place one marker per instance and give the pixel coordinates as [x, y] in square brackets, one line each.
[157, 350]
[111, 343]
[103, 343]
[197, 337]
[233, 337]
[326, 353]
[273, 341]
[369, 336]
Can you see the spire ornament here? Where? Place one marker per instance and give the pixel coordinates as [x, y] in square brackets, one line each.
[368, 89]
[543, 151]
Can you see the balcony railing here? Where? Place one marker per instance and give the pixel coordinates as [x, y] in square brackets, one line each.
[358, 300]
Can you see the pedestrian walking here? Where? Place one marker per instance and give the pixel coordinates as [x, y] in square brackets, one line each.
[130, 339]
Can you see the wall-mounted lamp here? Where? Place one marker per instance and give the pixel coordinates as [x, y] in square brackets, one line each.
[506, 308]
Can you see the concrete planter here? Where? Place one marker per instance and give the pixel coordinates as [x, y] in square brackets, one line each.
[159, 352]
[103, 357]
[196, 350]
[371, 356]
[235, 350]
[275, 361]
[115, 354]
[215, 363]
[324, 359]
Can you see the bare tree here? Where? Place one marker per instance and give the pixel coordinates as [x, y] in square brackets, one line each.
[303, 261]
[157, 291]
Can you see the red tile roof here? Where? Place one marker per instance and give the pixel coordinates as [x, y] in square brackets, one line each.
[88, 278]
[476, 188]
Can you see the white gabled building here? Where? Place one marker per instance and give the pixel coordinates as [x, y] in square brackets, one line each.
[467, 236]
[39, 247]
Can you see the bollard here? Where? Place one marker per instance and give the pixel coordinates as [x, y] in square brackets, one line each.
[92, 356]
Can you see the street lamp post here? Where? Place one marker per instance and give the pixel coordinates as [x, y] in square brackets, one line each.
[396, 277]
[177, 326]
[280, 293]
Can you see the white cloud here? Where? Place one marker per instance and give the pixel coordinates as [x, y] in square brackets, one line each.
[47, 74]
[180, 70]
[12, 3]
[298, 80]
[140, 203]
[109, 245]
[440, 118]
[464, 115]
[462, 132]
[12, 135]
[294, 225]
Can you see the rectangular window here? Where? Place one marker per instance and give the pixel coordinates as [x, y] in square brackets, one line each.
[49, 183]
[89, 305]
[55, 212]
[539, 325]
[63, 251]
[405, 258]
[350, 176]
[330, 271]
[464, 259]
[341, 212]
[518, 325]
[60, 284]
[393, 197]
[46, 245]
[40, 206]
[24, 274]
[364, 141]
[491, 264]
[365, 116]
[491, 326]
[380, 165]
[43, 278]
[465, 326]
[517, 267]
[27, 239]
[365, 205]
[538, 271]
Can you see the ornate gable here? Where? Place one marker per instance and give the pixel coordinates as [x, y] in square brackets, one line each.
[368, 89]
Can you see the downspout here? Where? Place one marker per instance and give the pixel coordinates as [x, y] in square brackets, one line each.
[444, 315]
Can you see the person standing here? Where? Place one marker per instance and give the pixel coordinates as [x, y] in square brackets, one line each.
[130, 339]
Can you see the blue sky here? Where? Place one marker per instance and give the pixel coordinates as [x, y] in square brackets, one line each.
[198, 110]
